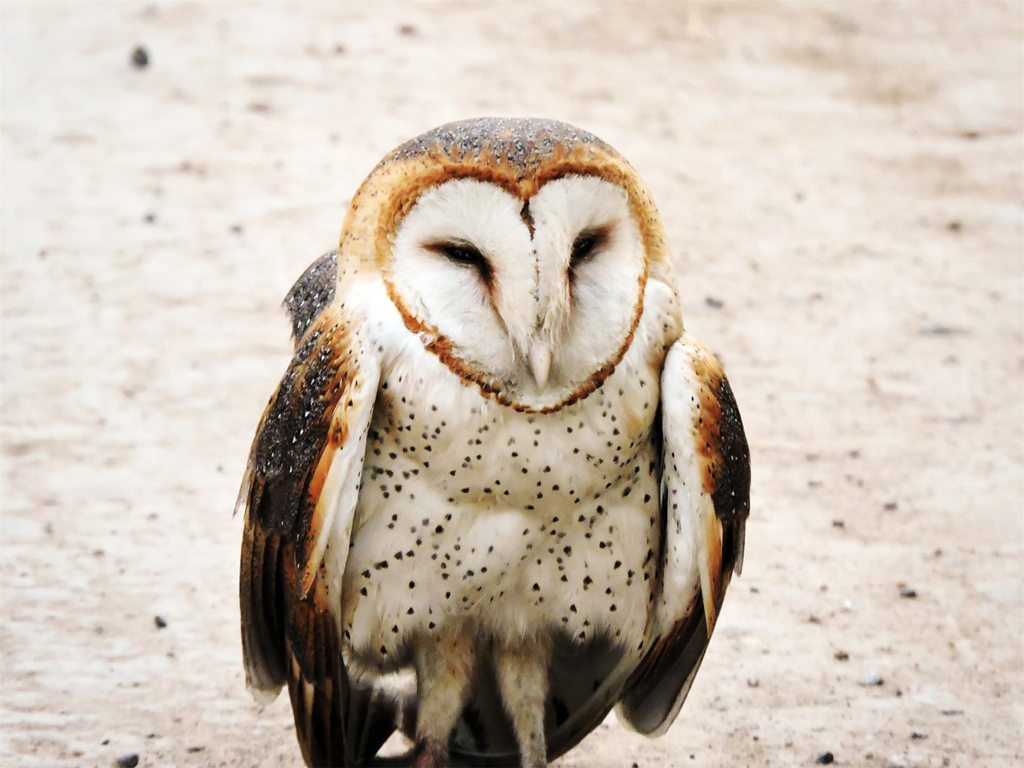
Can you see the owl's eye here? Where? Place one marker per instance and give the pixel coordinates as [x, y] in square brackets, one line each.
[586, 244]
[464, 254]
[460, 253]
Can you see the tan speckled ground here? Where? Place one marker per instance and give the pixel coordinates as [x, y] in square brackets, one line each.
[846, 179]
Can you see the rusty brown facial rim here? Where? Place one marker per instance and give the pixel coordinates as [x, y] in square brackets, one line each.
[523, 188]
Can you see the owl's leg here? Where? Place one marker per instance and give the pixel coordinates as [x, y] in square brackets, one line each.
[443, 669]
[523, 680]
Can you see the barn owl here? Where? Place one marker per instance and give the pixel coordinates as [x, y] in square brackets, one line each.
[496, 468]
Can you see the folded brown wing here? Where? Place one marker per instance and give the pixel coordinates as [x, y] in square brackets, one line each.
[300, 490]
[312, 293]
[706, 501]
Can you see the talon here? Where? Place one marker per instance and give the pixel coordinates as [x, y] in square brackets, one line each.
[430, 755]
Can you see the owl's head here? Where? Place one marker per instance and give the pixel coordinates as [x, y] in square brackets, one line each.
[518, 250]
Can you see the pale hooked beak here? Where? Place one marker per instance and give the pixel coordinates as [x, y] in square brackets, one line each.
[540, 361]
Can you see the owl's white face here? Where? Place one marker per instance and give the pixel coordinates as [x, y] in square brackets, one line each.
[536, 298]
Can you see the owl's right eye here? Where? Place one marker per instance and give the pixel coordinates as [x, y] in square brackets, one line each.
[460, 253]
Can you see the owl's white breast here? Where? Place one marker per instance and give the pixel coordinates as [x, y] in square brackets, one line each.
[500, 521]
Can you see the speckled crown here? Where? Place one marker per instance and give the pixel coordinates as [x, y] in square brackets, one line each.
[521, 144]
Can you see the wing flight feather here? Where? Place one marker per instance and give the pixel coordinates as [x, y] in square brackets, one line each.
[299, 491]
[705, 504]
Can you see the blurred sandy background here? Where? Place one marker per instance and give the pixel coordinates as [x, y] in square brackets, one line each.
[842, 186]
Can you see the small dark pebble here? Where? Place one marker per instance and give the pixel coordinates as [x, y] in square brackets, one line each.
[871, 679]
[714, 303]
[825, 758]
[908, 592]
[236, 229]
[407, 29]
[127, 761]
[917, 736]
[193, 750]
[140, 60]
[104, 742]
[890, 506]
[838, 524]
[841, 656]
[160, 622]
[941, 330]
[954, 226]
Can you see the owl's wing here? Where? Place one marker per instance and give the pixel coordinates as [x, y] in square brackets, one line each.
[302, 482]
[705, 503]
[312, 293]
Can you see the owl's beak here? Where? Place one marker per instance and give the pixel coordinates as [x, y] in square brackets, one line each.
[540, 361]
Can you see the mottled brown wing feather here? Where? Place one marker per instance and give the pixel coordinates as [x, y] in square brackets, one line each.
[302, 479]
[312, 293]
[706, 500]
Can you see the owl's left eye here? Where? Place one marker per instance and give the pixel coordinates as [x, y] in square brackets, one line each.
[464, 254]
[460, 253]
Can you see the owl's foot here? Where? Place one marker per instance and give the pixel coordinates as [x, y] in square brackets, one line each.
[430, 754]
[443, 671]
